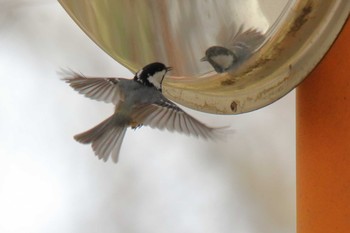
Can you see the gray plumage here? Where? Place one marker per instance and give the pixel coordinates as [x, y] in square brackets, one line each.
[229, 57]
[138, 102]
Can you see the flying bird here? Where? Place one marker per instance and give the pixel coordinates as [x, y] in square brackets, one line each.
[138, 101]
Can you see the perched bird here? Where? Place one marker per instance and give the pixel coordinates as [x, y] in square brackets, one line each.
[229, 57]
[138, 101]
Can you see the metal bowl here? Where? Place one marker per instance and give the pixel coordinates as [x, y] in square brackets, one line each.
[297, 34]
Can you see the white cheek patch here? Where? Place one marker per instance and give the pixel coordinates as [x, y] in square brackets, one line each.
[138, 74]
[157, 78]
[224, 61]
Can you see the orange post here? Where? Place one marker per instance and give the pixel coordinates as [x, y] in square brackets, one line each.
[323, 143]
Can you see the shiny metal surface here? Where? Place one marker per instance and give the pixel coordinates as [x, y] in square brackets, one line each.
[298, 33]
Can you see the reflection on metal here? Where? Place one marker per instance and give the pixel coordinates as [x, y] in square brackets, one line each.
[229, 57]
[178, 33]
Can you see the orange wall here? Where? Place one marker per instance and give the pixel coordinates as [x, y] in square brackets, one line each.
[323, 143]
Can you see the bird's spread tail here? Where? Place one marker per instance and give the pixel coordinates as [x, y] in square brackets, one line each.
[106, 139]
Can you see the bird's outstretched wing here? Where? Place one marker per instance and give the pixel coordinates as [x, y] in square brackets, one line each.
[166, 115]
[101, 89]
[246, 41]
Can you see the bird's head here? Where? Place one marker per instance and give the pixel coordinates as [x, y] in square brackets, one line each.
[152, 75]
[220, 58]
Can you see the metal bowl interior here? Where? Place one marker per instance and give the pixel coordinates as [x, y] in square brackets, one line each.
[297, 33]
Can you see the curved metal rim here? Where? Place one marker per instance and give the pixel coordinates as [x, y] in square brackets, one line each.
[283, 62]
[302, 36]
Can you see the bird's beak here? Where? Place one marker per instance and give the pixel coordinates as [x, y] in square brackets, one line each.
[204, 58]
[169, 68]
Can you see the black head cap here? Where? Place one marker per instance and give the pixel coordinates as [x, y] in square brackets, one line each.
[150, 71]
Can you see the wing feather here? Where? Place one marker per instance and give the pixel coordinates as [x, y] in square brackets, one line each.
[101, 89]
[166, 115]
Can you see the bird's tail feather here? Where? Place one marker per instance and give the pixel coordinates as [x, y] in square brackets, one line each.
[106, 138]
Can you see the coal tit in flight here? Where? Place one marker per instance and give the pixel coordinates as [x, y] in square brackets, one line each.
[138, 101]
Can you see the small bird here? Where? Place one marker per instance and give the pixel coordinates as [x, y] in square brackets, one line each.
[229, 57]
[138, 101]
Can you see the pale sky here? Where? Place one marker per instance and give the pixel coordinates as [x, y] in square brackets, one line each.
[164, 182]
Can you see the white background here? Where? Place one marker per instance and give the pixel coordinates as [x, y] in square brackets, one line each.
[163, 182]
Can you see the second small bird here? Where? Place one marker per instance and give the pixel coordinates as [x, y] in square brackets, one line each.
[229, 57]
